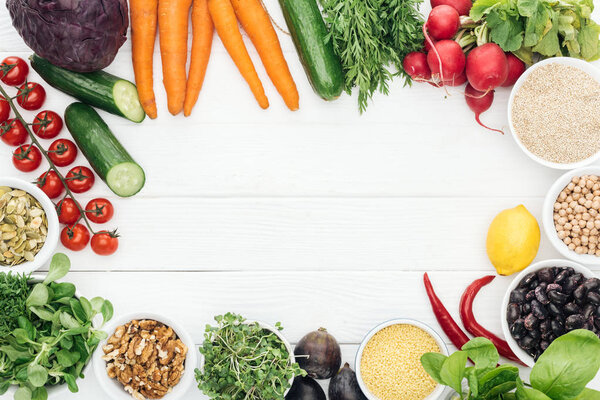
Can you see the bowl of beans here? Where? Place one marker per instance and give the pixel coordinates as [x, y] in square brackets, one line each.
[388, 361]
[545, 301]
[571, 215]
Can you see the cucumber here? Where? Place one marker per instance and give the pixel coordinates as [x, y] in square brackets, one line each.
[309, 33]
[99, 89]
[106, 155]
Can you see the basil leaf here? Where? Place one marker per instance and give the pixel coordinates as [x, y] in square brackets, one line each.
[453, 370]
[37, 375]
[483, 353]
[23, 393]
[59, 266]
[524, 393]
[432, 363]
[38, 296]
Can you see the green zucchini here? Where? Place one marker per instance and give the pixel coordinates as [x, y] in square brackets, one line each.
[308, 30]
[106, 155]
[99, 89]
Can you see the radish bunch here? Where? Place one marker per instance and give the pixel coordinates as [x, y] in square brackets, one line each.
[445, 63]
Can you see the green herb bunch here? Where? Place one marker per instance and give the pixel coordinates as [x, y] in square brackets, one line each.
[14, 290]
[243, 361]
[371, 37]
[54, 338]
[560, 373]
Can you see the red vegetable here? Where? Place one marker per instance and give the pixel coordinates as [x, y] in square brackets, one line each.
[31, 96]
[47, 124]
[462, 6]
[415, 65]
[473, 327]
[13, 71]
[456, 335]
[479, 102]
[13, 133]
[5, 109]
[50, 184]
[105, 243]
[446, 60]
[486, 67]
[516, 68]
[27, 158]
[443, 22]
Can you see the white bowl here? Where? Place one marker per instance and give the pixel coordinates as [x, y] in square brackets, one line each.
[548, 216]
[51, 242]
[438, 392]
[114, 388]
[573, 62]
[519, 352]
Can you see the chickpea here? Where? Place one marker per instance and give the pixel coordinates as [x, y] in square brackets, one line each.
[571, 246]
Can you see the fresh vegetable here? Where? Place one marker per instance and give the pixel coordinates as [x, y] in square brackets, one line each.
[244, 361]
[144, 18]
[106, 155]
[479, 102]
[516, 68]
[75, 237]
[258, 26]
[105, 243]
[99, 210]
[68, 211]
[203, 30]
[51, 184]
[443, 22]
[305, 388]
[415, 65]
[473, 327]
[98, 89]
[31, 96]
[319, 354]
[486, 67]
[446, 61]
[309, 33]
[62, 152]
[82, 36]
[344, 386]
[27, 158]
[54, 337]
[561, 373]
[13, 132]
[223, 16]
[13, 71]
[462, 6]
[369, 37]
[4, 110]
[47, 124]
[173, 18]
[80, 179]
[447, 323]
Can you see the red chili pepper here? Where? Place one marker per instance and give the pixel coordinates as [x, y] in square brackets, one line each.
[454, 332]
[473, 327]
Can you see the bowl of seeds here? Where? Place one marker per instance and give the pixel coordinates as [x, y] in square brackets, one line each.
[29, 228]
[554, 113]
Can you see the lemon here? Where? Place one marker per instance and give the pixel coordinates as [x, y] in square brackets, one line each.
[513, 240]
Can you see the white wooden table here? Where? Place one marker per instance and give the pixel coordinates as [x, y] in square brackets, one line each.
[321, 217]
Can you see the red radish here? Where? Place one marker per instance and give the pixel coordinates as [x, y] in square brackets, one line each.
[516, 68]
[487, 67]
[428, 45]
[457, 81]
[415, 65]
[448, 55]
[443, 22]
[462, 6]
[479, 102]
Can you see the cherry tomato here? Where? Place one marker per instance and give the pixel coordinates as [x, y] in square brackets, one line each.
[47, 124]
[4, 109]
[75, 237]
[80, 179]
[13, 133]
[13, 71]
[50, 184]
[62, 152]
[31, 96]
[105, 243]
[67, 210]
[27, 158]
[99, 210]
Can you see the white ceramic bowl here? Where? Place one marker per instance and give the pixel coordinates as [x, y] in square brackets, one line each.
[51, 242]
[574, 62]
[519, 352]
[114, 388]
[438, 393]
[548, 216]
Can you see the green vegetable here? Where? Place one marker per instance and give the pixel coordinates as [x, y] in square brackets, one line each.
[546, 27]
[105, 153]
[244, 361]
[561, 372]
[53, 339]
[99, 89]
[369, 36]
[14, 291]
[316, 52]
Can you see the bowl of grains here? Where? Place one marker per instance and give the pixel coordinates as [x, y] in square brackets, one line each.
[388, 361]
[29, 228]
[571, 215]
[554, 113]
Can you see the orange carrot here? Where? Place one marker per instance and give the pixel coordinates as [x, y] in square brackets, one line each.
[226, 25]
[144, 14]
[257, 23]
[203, 28]
[173, 27]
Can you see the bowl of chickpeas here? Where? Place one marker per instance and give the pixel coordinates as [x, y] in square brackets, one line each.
[571, 215]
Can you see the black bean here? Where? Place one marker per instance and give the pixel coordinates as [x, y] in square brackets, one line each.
[513, 312]
[580, 292]
[540, 295]
[571, 308]
[526, 308]
[597, 323]
[545, 275]
[574, 321]
[557, 297]
[592, 284]
[517, 330]
[564, 274]
[569, 285]
[544, 345]
[536, 334]
[554, 310]
[588, 310]
[534, 283]
[527, 342]
[518, 296]
[526, 281]
[593, 297]
[557, 328]
[554, 286]
[531, 322]
[598, 312]
[544, 326]
[530, 295]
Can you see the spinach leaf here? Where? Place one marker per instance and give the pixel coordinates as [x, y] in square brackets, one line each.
[453, 370]
[496, 377]
[524, 393]
[432, 363]
[588, 394]
[473, 382]
[59, 267]
[482, 352]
